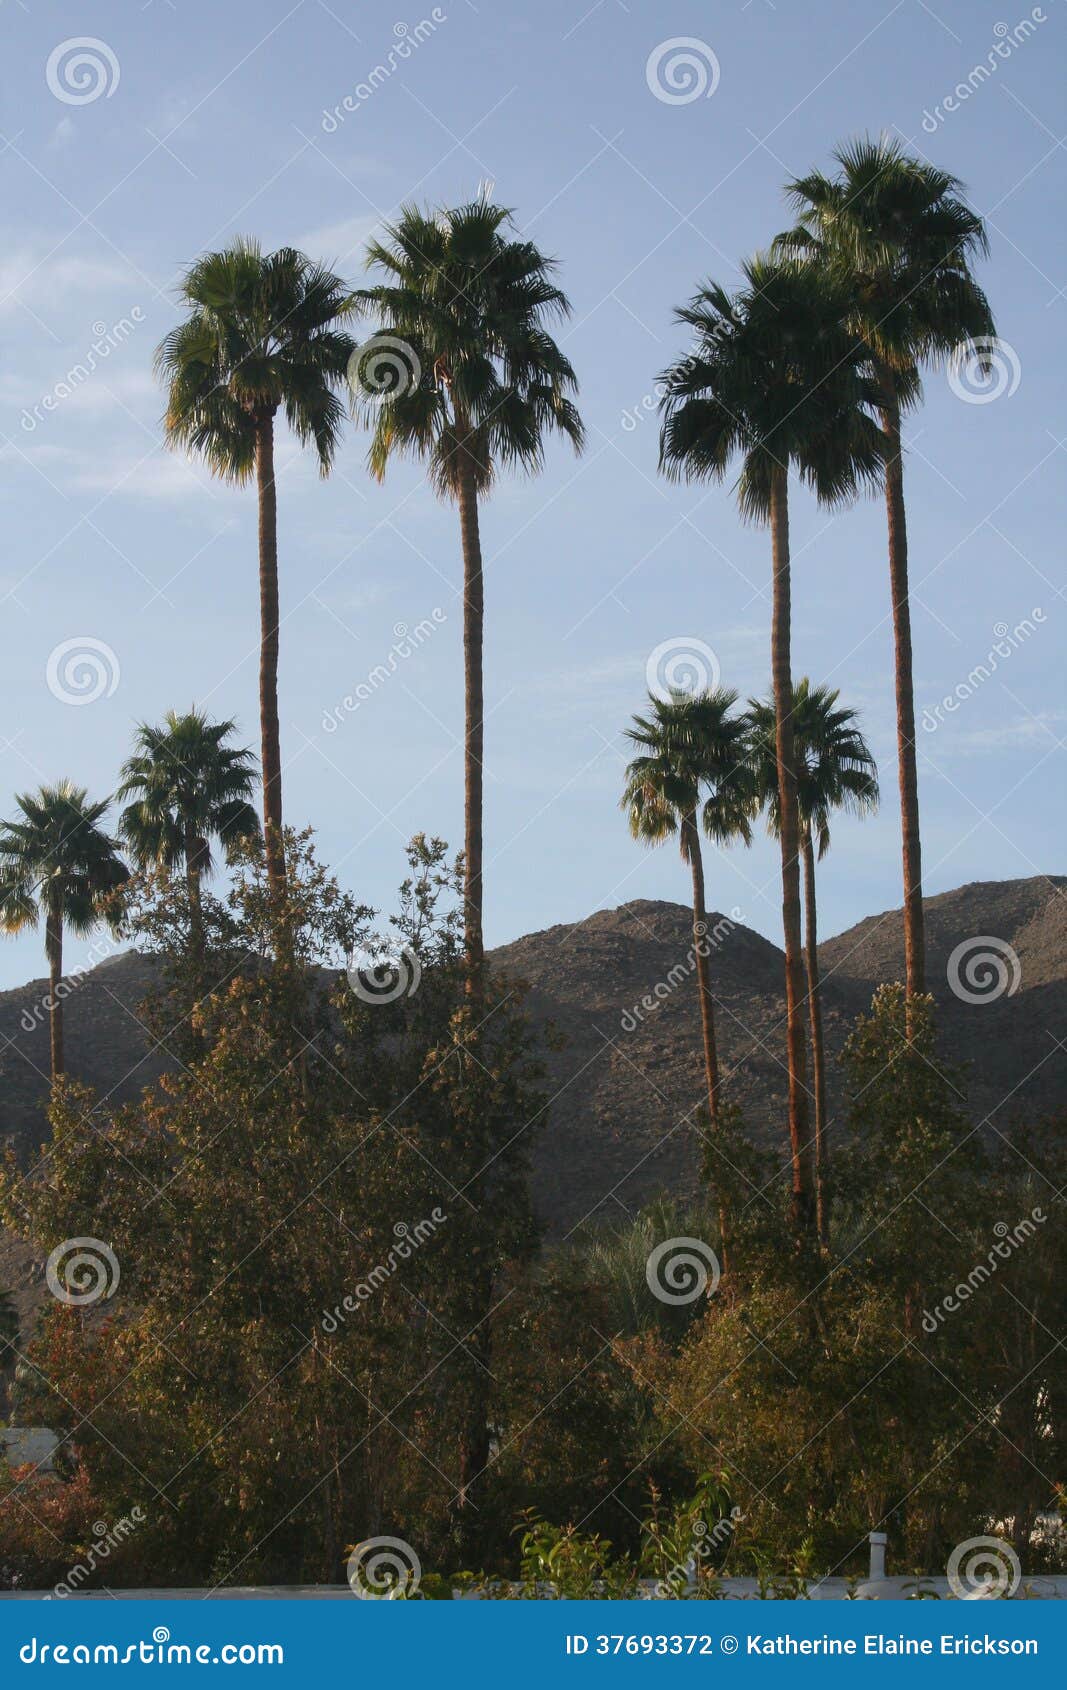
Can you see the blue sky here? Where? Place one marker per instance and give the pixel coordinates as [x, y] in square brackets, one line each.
[209, 122]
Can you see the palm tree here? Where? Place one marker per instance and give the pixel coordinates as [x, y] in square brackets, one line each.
[187, 786]
[474, 386]
[692, 771]
[57, 861]
[261, 335]
[835, 771]
[898, 233]
[776, 377]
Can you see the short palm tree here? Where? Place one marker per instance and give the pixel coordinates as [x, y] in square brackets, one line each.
[184, 786]
[263, 334]
[777, 378]
[57, 861]
[897, 231]
[483, 386]
[835, 771]
[692, 773]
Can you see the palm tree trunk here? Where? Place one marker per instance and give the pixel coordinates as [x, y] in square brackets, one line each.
[691, 847]
[473, 634]
[789, 833]
[914, 938]
[818, 1061]
[268, 654]
[192, 885]
[53, 944]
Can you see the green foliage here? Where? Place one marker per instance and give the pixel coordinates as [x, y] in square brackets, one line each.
[56, 860]
[482, 382]
[296, 1212]
[261, 334]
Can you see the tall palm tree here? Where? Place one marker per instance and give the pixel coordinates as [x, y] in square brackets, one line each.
[835, 771]
[262, 335]
[776, 378]
[187, 786]
[897, 231]
[57, 861]
[692, 771]
[483, 384]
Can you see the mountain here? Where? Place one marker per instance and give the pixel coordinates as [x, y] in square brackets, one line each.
[619, 989]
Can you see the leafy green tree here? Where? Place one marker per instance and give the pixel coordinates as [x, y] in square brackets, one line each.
[262, 334]
[465, 375]
[56, 861]
[184, 786]
[835, 771]
[692, 772]
[899, 234]
[776, 378]
[295, 1335]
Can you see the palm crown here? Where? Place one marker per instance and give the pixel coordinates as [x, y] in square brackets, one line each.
[487, 381]
[186, 786]
[260, 336]
[56, 860]
[897, 231]
[835, 769]
[777, 375]
[690, 744]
